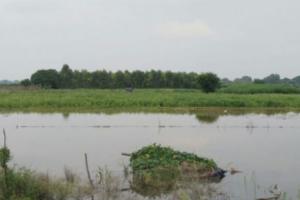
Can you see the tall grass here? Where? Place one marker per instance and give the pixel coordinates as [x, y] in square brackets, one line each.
[252, 88]
[24, 184]
[89, 99]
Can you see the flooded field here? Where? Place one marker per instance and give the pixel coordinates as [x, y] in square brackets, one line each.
[264, 147]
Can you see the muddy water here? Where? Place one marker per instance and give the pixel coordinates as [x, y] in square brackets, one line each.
[264, 147]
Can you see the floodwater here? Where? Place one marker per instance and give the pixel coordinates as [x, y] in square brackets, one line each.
[264, 147]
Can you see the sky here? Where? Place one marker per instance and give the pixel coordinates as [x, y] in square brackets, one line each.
[231, 38]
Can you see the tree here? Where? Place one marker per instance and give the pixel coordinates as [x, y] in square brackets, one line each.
[155, 79]
[101, 79]
[189, 80]
[208, 82]
[82, 79]
[46, 78]
[66, 77]
[258, 81]
[244, 79]
[177, 80]
[169, 79]
[225, 81]
[138, 79]
[286, 81]
[25, 82]
[296, 81]
[119, 80]
[273, 78]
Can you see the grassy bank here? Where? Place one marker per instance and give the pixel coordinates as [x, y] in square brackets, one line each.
[91, 100]
[252, 88]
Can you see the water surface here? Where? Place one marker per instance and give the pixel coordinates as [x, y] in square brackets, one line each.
[264, 147]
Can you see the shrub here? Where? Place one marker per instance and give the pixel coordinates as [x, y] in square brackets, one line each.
[209, 82]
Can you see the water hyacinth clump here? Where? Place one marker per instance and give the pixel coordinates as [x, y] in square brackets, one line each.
[159, 170]
[153, 156]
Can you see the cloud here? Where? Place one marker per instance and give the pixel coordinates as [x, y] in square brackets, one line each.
[185, 29]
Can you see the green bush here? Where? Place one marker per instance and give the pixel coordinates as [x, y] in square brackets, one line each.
[153, 156]
[209, 82]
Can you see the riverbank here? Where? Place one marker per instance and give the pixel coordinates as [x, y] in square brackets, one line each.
[97, 100]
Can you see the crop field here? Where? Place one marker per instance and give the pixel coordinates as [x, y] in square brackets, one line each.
[94, 99]
[252, 88]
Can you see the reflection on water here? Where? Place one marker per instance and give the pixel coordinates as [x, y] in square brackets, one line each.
[264, 146]
[164, 182]
[207, 117]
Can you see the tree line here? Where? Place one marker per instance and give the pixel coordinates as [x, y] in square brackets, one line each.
[271, 79]
[67, 78]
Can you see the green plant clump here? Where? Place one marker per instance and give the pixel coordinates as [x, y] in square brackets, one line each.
[156, 156]
[4, 157]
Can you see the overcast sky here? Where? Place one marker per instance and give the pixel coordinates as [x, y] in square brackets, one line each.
[231, 38]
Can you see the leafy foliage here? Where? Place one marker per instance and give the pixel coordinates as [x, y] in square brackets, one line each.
[154, 156]
[67, 78]
[25, 82]
[4, 157]
[46, 78]
[273, 78]
[209, 82]
[157, 170]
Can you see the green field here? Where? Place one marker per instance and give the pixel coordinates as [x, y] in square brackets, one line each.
[252, 88]
[96, 100]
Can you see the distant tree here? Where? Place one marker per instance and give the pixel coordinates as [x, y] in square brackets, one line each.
[82, 79]
[190, 80]
[208, 82]
[258, 81]
[119, 80]
[286, 81]
[169, 79]
[128, 80]
[273, 78]
[244, 79]
[155, 79]
[225, 81]
[138, 79]
[66, 77]
[46, 78]
[25, 82]
[101, 79]
[177, 80]
[296, 81]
